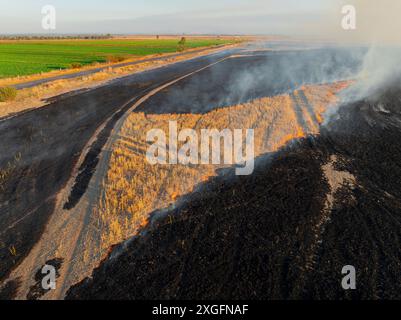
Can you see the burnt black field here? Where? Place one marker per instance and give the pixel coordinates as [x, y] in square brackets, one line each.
[254, 74]
[48, 141]
[241, 237]
[249, 237]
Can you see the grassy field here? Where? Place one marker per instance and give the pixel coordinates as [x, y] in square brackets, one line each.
[18, 58]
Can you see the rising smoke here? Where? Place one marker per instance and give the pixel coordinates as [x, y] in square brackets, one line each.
[371, 54]
[379, 27]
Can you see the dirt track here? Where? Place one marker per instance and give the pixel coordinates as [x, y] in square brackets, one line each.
[44, 146]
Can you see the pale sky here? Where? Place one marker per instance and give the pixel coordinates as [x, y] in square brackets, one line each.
[166, 16]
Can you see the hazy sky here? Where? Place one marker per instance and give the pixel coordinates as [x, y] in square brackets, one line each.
[166, 16]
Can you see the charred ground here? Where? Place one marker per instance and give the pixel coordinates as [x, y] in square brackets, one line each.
[253, 75]
[41, 147]
[239, 237]
[251, 237]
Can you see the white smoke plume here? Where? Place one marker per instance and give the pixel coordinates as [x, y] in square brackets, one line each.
[378, 25]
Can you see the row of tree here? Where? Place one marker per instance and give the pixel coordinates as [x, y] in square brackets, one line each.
[58, 37]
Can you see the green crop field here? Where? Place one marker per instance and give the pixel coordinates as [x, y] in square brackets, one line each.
[34, 56]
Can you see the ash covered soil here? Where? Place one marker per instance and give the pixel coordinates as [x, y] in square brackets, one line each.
[284, 232]
[40, 148]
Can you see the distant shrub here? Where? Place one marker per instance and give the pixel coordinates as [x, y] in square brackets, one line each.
[76, 65]
[113, 59]
[181, 44]
[183, 41]
[7, 94]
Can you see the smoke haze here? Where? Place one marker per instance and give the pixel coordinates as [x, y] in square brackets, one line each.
[378, 27]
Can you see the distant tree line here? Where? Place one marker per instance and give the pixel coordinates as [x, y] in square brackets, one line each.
[53, 37]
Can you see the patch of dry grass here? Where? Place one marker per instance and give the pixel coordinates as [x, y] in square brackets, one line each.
[7, 94]
[8, 170]
[133, 188]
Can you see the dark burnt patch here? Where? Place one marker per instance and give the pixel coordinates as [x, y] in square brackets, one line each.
[9, 290]
[37, 291]
[250, 237]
